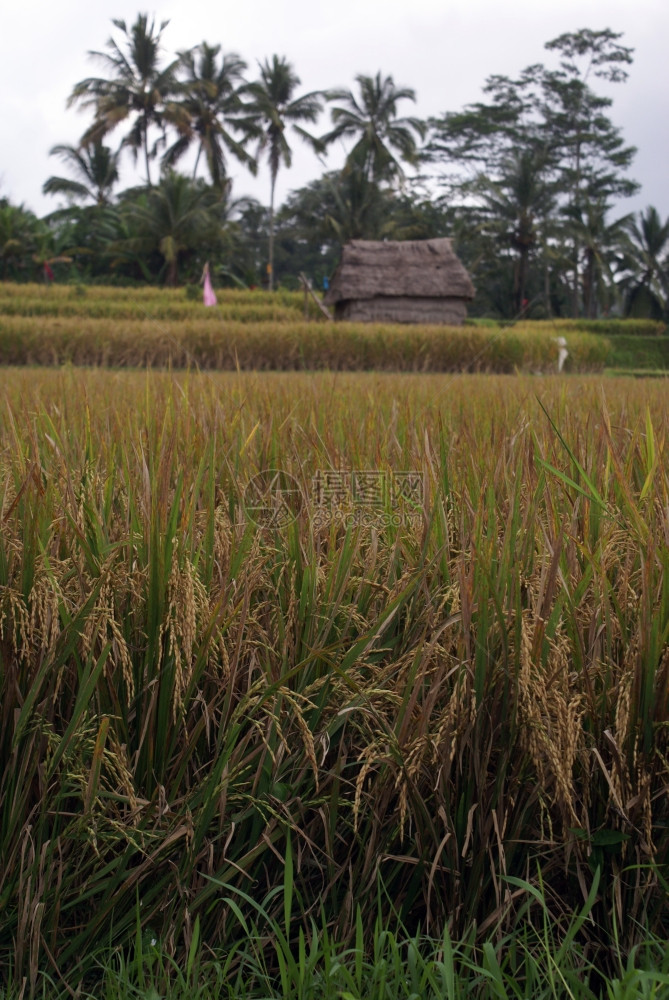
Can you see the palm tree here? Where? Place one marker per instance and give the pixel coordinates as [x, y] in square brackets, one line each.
[360, 210]
[518, 205]
[603, 246]
[372, 121]
[137, 88]
[648, 293]
[212, 102]
[95, 164]
[176, 218]
[275, 107]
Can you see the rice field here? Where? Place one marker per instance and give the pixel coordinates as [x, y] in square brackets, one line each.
[284, 655]
[168, 329]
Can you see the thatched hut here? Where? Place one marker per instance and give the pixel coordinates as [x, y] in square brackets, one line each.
[413, 281]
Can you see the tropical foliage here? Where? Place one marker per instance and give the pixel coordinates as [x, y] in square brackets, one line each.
[528, 182]
[21, 232]
[174, 220]
[138, 88]
[277, 108]
[648, 283]
[552, 119]
[381, 139]
[96, 167]
[210, 98]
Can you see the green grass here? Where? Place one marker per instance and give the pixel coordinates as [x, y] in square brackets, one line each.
[390, 964]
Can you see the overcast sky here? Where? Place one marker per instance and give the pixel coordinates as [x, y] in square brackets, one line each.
[444, 49]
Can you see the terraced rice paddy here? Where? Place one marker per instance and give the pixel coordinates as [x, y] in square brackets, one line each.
[251, 331]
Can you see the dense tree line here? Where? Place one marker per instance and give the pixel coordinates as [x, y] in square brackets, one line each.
[526, 181]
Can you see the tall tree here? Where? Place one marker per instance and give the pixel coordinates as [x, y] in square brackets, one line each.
[372, 121]
[483, 137]
[276, 108]
[138, 88]
[95, 165]
[554, 115]
[211, 97]
[588, 150]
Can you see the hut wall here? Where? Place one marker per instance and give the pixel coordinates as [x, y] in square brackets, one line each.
[402, 309]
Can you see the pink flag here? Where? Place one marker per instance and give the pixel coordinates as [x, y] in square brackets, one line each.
[209, 294]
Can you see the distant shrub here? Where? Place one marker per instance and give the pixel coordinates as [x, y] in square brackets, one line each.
[612, 327]
[639, 352]
[605, 327]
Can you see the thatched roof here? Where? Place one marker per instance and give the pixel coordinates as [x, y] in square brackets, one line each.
[414, 268]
